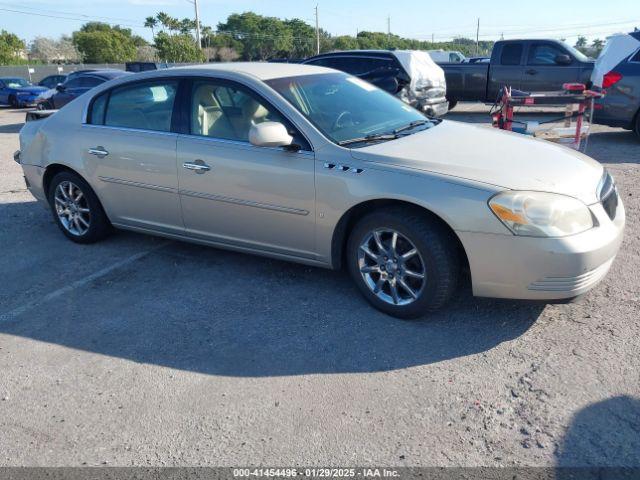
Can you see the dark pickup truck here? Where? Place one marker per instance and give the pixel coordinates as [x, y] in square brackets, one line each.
[528, 65]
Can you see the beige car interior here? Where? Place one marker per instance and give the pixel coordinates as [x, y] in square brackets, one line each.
[210, 119]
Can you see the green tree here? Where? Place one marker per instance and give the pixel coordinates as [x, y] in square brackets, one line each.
[261, 37]
[345, 42]
[10, 47]
[303, 38]
[178, 48]
[152, 23]
[101, 43]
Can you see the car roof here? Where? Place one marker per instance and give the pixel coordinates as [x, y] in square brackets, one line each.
[107, 73]
[341, 53]
[261, 70]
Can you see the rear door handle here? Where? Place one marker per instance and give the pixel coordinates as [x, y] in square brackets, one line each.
[98, 151]
[198, 166]
[531, 71]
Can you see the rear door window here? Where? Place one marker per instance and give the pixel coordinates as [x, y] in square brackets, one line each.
[511, 54]
[146, 106]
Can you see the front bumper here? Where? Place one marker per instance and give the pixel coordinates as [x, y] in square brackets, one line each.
[434, 107]
[508, 266]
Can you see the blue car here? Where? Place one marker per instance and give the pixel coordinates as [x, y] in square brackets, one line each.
[18, 92]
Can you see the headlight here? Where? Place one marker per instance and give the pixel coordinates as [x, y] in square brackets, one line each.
[540, 214]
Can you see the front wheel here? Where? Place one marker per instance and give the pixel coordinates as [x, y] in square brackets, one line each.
[76, 209]
[13, 101]
[404, 263]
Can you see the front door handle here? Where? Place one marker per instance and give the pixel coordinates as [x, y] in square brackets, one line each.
[98, 151]
[198, 166]
[531, 72]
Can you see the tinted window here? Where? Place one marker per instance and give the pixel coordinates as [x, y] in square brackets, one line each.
[98, 108]
[544, 54]
[90, 82]
[146, 106]
[511, 54]
[355, 65]
[636, 57]
[226, 112]
[73, 83]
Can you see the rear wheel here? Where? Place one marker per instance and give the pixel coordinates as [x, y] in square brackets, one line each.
[76, 209]
[404, 263]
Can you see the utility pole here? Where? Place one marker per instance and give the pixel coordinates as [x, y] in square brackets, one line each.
[478, 37]
[198, 39]
[317, 33]
[389, 26]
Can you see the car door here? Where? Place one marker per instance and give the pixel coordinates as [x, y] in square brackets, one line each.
[544, 72]
[130, 152]
[233, 192]
[507, 71]
[4, 96]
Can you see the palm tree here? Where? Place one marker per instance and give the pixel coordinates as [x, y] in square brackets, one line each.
[151, 22]
[164, 19]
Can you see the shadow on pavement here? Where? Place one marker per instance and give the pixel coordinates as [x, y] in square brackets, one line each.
[11, 128]
[215, 312]
[602, 441]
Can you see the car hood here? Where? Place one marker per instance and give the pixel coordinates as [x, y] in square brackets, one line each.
[504, 159]
[32, 89]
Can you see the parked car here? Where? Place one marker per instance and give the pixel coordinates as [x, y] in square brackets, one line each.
[529, 65]
[75, 85]
[315, 166]
[617, 71]
[445, 56]
[144, 66]
[477, 60]
[409, 74]
[18, 92]
[52, 80]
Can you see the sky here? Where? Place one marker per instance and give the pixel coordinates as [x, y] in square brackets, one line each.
[422, 19]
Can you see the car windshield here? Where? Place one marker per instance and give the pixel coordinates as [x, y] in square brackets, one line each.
[16, 82]
[350, 111]
[577, 53]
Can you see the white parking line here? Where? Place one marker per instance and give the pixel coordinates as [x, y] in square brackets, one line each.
[12, 314]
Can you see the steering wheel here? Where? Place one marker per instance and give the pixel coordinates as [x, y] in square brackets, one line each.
[340, 121]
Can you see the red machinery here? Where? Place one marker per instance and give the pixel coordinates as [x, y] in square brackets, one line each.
[572, 94]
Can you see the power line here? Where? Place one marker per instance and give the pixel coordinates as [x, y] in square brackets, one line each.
[83, 19]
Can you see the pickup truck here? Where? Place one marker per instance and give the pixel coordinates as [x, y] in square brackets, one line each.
[528, 65]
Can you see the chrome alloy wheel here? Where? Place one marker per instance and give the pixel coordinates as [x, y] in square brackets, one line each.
[391, 266]
[72, 208]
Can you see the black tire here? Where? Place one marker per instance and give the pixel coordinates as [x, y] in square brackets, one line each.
[13, 101]
[41, 105]
[636, 128]
[452, 104]
[438, 251]
[99, 225]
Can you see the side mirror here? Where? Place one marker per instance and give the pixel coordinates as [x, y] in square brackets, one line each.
[270, 134]
[563, 59]
[60, 87]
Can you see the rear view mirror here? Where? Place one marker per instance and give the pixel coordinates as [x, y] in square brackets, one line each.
[563, 59]
[270, 134]
[60, 87]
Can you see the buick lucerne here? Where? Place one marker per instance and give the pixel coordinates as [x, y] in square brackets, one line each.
[312, 165]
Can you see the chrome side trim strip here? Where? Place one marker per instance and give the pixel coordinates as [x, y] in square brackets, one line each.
[128, 129]
[138, 184]
[246, 203]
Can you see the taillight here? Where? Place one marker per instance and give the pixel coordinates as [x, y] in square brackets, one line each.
[611, 79]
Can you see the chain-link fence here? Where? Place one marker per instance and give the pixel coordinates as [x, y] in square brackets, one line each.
[37, 72]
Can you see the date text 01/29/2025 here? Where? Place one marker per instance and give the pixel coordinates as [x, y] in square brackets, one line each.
[315, 472]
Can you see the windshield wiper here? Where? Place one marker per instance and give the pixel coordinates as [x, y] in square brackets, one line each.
[409, 126]
[369, 138]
